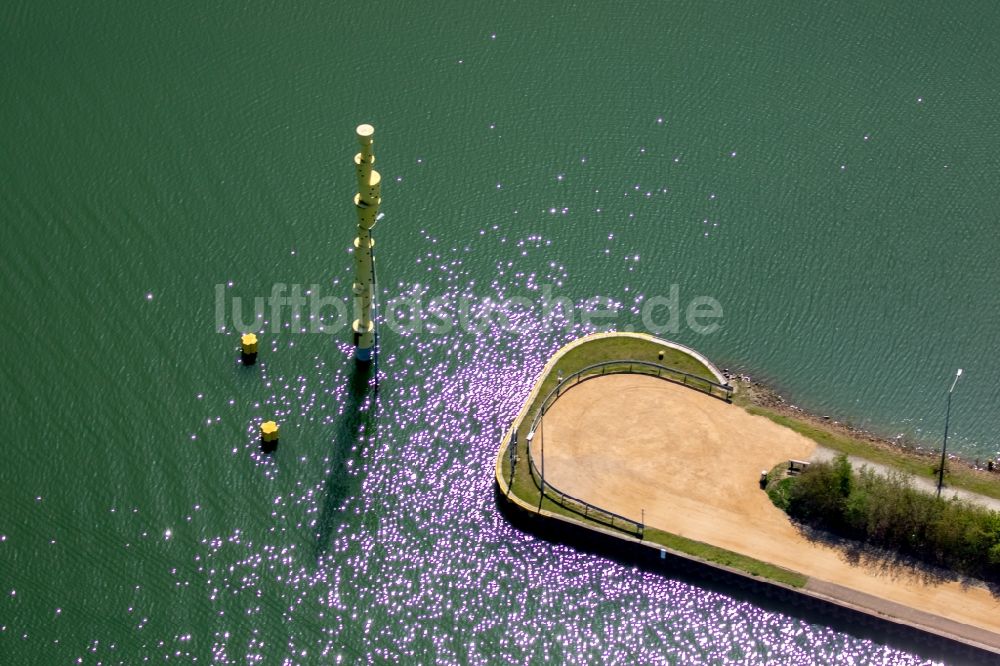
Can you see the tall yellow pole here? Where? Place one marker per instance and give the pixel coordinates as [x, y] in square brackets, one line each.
[366, 202]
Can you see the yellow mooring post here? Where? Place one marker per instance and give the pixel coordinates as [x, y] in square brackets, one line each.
[248, 348]
[366, 202]
[269, 435]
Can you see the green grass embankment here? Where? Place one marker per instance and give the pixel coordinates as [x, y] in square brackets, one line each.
[727, 558]
[957, 475]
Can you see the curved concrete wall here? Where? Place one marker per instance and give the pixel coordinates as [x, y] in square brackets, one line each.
[762, 592]
[928, 642]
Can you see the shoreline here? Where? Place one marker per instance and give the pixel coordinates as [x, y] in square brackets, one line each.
[764, 395]
[910, 456]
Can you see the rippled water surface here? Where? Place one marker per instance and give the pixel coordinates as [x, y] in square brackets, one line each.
[826, 173]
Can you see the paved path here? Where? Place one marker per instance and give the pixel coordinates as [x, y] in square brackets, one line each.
[631, 443]
[921, 482]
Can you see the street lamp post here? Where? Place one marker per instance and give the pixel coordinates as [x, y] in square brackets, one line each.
[944, 446]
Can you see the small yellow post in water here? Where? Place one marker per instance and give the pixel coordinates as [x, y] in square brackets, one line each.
[269, 432]
[249, 343]
[248, 348]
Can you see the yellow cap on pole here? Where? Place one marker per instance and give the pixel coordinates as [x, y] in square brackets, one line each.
[269, 431]
[249, 343]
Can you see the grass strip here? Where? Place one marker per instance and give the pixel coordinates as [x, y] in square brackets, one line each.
[727, 558]
[958, 476]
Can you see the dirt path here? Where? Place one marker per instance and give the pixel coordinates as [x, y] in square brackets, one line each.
[630, 443]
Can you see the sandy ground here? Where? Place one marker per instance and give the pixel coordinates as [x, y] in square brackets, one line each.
[630, 443]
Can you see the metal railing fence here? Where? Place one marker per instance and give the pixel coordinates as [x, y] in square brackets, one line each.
[628, 366]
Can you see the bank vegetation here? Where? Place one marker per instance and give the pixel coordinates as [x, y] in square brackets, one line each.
[888, 513]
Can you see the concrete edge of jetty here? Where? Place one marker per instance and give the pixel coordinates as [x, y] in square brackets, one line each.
[859, 614]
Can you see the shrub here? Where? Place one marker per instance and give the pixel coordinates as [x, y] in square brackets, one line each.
[778, 491]
[819, 494]
[994, 554]
[887, 512]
